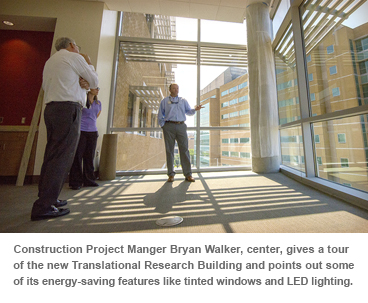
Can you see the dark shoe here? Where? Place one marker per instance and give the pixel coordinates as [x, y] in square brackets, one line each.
[171, 179]
[61, 203]
[91, 185]
[76, 187]
[189, 179]
[53, 213]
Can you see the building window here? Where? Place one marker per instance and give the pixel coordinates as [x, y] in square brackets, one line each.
[224, 141]
[225, 116]
[243, 98]
[225, 153]
[365, 91]
[309, 58]
[244, 84]
[310, 77]
[333, 70]
[288, 139]
[142, 117]
[233, 89]
[284, 85]
[224, 93]
[244, 155]
[225, 104]
[330, 49]
[341, 138]
[234, 154]
[131, 101]
[285, 158]
[344, 162]
[316, 139]
[244, 140]
[234, 101]
[244, 112]
[362, 44]
[319, 160]
[234, 140]
[313, 97]
[234, 114]
[336, 91]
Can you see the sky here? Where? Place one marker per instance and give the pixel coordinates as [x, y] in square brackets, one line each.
[211, 31]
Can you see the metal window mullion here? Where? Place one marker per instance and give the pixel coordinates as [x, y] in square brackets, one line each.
[198, 138]
[303, 92]
[110, 116]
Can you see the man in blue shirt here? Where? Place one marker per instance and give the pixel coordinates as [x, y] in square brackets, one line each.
[171, 116]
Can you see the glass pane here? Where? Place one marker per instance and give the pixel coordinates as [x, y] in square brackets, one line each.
[225, 148]
[186, 29]
[292, 152]
[223, 32]
[280, 15]
[159, 27]
[224, 95]
[342, 151]
[141, 86]
[334, 45]
[286, 79]
[151, 155]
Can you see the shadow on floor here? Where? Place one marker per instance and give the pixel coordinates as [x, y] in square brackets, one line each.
[219, 202]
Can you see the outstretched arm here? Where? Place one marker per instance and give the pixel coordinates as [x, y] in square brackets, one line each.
[198, 107]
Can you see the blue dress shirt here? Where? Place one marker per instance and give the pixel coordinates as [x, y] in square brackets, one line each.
[174, 109]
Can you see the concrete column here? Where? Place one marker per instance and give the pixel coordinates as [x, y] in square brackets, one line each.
[262, 90]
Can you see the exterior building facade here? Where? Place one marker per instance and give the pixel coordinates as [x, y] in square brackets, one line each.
[227, 105]
[337, 75]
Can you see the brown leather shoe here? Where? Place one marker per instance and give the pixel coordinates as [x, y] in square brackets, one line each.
[171, 179]
[190, 179]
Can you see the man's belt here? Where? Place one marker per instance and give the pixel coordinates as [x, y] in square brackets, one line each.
[175, 122]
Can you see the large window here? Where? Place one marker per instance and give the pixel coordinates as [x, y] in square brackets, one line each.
[286, 79]
[292, 153]
[229, 109]
[337, 47]
[322, 86]
[156, 51]
[336, 55]
[343, 139]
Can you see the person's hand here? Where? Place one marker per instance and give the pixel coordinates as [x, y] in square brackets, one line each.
[83, 83]
[87, 58]
[198, 107]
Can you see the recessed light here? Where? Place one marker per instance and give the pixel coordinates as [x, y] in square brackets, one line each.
[8, 23]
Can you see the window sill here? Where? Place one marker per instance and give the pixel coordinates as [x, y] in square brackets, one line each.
[350, 195]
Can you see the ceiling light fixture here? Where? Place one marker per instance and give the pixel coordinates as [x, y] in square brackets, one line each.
[8, 23]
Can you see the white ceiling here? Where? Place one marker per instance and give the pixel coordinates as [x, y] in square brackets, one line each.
[220, 10]
[27, 23]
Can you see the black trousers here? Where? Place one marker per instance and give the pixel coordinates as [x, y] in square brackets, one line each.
[82, 171]
[62, 121]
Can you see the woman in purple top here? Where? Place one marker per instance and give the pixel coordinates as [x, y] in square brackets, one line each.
[83, 175]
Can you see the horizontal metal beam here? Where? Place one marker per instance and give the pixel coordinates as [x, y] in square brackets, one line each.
[350, 112]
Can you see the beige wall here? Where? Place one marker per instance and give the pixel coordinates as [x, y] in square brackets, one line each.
[93, 28]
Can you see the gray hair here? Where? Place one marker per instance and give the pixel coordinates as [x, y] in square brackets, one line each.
[173, 84]
[63, 43]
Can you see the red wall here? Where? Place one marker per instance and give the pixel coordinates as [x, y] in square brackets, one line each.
[22, 57]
